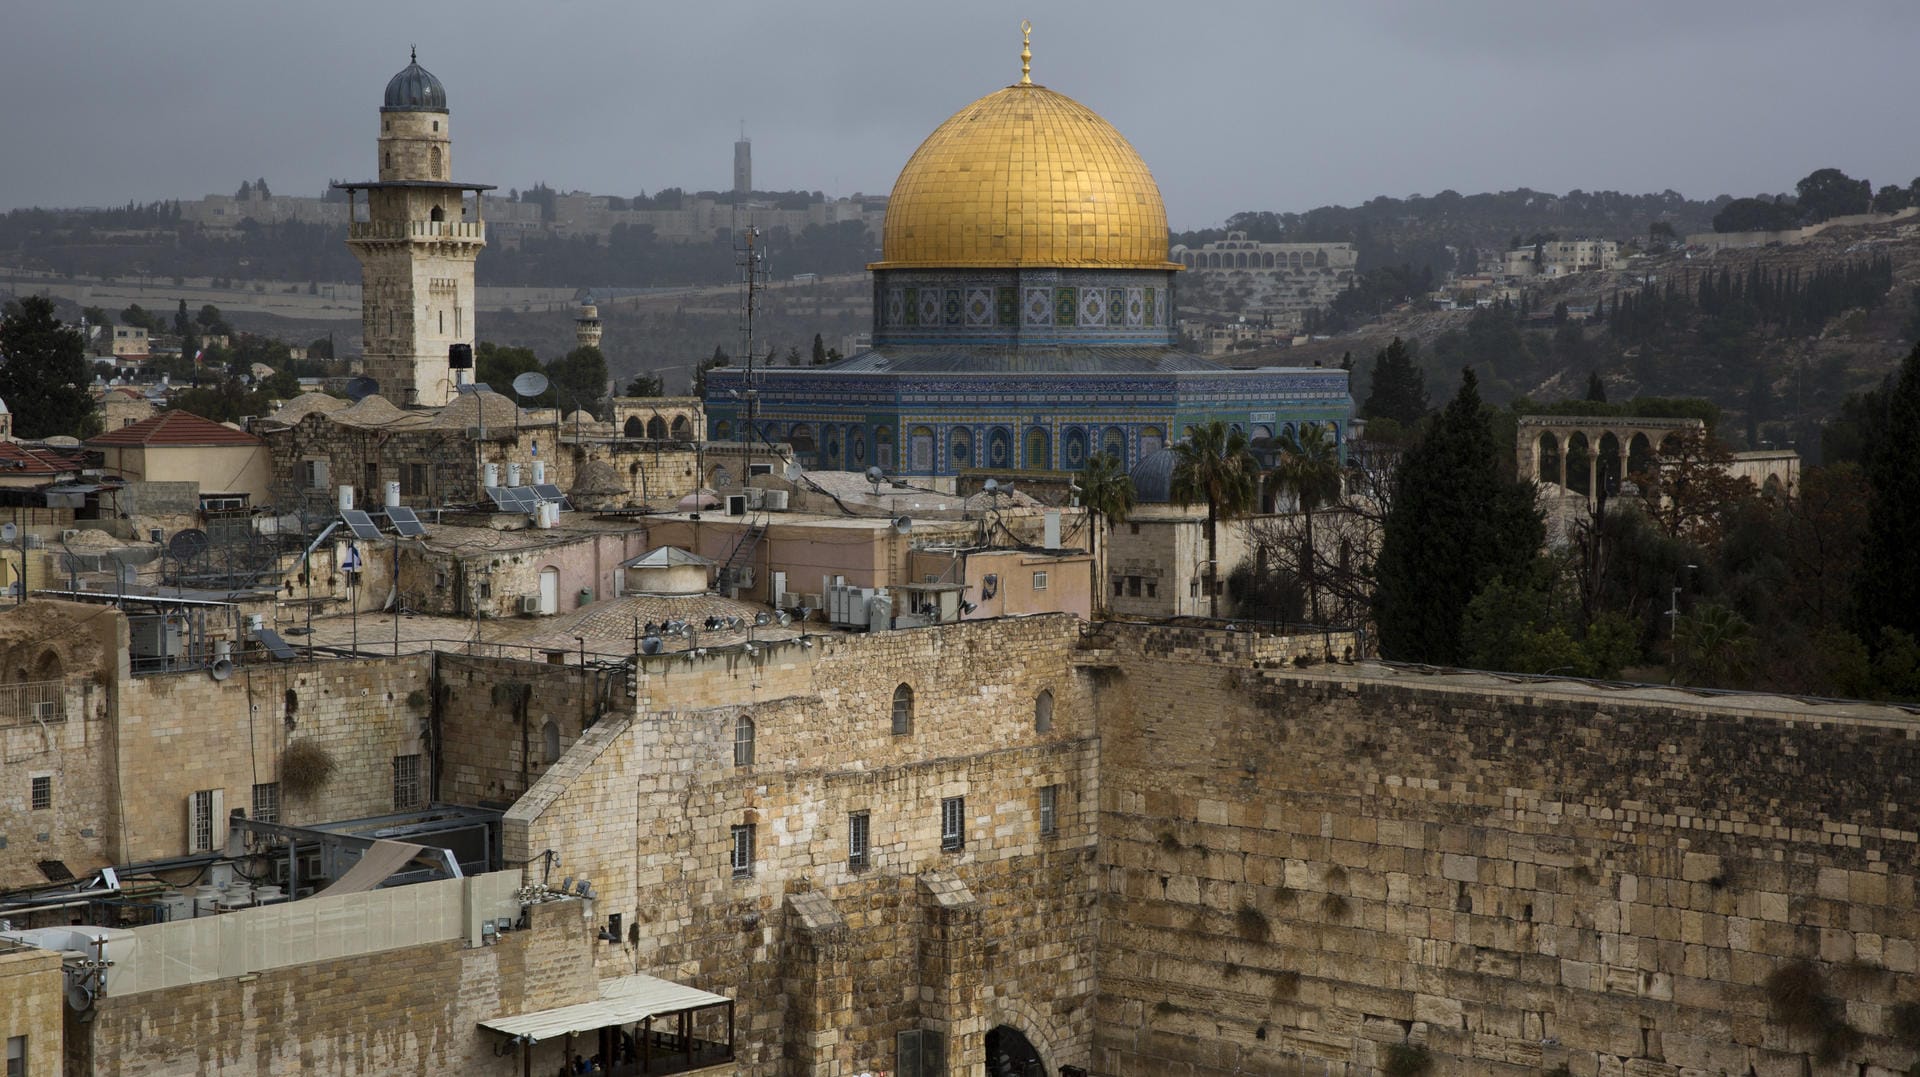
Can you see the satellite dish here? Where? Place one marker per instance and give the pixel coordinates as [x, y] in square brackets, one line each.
[189, 544]
[362, 387]
[221, 669]
[903, 524]
[532, 383]
[9, 532]
[651, 645]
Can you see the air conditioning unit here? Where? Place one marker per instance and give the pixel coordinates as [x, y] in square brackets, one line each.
[45, 710]
[32, 541]
[756, 497]
[775, 500]
[529, 603]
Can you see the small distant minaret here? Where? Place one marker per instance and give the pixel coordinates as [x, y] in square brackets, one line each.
[586, 325]
[743, 164]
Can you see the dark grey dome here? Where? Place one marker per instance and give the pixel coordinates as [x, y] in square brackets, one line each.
[1153, 478]
[415, 89]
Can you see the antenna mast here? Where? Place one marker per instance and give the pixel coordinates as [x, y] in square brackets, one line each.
[751, 260]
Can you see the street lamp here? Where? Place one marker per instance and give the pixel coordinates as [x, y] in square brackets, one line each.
[1673, 607]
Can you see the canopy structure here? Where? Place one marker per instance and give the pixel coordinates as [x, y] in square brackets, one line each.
[637, 1000]
[626, 1000]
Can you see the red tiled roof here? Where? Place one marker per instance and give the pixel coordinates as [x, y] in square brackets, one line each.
[19, 460]
[171, 428]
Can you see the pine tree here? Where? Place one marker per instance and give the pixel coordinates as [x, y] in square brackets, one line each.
[44, 379]
[819, 351]
[1596, 389]
[1888, 589]
[1457, 524]
[1399, 389]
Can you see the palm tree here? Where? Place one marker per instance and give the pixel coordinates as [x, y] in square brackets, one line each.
[1215, 465]
[1309, 469]
[1107, 491]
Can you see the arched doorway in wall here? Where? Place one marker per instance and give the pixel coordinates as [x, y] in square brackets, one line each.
[633, 427]
[1639, 455]
[1579, 456]
[1010, 1054]
[657, 428]
[682, 428]
[1548, 455]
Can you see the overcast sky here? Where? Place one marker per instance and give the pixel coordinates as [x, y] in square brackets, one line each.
[1235, 104]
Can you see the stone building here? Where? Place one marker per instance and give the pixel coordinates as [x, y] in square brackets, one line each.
[416, 233]
[1284, 280]
[1023, 317]
[1560, 258]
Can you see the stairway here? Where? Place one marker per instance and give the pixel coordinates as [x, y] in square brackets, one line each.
[737, 572]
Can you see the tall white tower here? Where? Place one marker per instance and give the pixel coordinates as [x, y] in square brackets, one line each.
[743, 165]
[416, 236]
[586, 324]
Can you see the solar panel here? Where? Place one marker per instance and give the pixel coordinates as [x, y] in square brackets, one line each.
[405, 522]
[360, 523]
[274, 644]
[524, 499]
[549, 492]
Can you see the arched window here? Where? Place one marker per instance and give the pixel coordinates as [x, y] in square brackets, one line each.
[550, 734]
[657, 428]
[902, 711]
[632, 427]
[436, 162]
[438, 214]
[1043, 712]
[743, 741]
[681, 429]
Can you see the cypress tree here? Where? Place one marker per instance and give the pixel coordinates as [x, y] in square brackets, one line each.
[1888, 589]
[1457, 524]
[44, 379]
[1399, 390]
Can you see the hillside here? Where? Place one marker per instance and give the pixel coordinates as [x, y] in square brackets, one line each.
[1774, 373]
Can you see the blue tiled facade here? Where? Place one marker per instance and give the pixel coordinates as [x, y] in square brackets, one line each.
[1016, 370]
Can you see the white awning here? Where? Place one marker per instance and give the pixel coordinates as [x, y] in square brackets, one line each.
[623, 1001]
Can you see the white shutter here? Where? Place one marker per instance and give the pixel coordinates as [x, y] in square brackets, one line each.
[217, 834]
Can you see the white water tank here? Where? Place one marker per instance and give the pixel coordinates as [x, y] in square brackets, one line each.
[393, 495]
[513, 474]
[206, 900]
[346, 498]
[490, 475]
[539, 471]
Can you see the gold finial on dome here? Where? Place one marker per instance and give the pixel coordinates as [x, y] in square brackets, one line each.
[1026, 52]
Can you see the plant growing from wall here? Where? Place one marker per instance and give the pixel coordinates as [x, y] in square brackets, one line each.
[305, 768]
[1406, 1060]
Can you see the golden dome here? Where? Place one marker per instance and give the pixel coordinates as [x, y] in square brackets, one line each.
[1025, 177]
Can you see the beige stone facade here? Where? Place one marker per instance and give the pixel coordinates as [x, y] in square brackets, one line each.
[32, 1009]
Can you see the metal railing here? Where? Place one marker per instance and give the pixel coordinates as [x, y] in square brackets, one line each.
[32, 701]
[417, 230]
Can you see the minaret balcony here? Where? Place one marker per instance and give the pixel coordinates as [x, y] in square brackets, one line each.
[471, 231]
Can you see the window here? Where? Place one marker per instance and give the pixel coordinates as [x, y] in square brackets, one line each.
[1119, 587]
[920, 1053]
[42, 792]
[1133, 586]
[406, 782]
[413, 480]
[902, 711]
[1039, 581]
[315, 473]
[266, 802]
[16, 1056]
[743, 851]
[743, 741]
[953, 823]
[858, 829]
[1049, 809]
[203, 808]
[550, 740]
[1152, 586]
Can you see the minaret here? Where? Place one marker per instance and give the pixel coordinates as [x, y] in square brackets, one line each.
[416, 237]
[586, 325]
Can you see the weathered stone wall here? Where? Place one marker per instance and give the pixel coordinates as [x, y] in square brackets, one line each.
[1303, 868]
[408, 1011]
[493, 719]
[184, 732]
[645, 808]
[31, 1003]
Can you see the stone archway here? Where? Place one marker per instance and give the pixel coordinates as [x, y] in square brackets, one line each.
[1011, 1054]
[1042, 1033]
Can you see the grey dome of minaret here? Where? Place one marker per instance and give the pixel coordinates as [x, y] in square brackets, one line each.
[415, 89]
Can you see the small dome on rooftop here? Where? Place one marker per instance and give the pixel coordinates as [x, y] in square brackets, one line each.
[1153, 478]
[416, 89]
